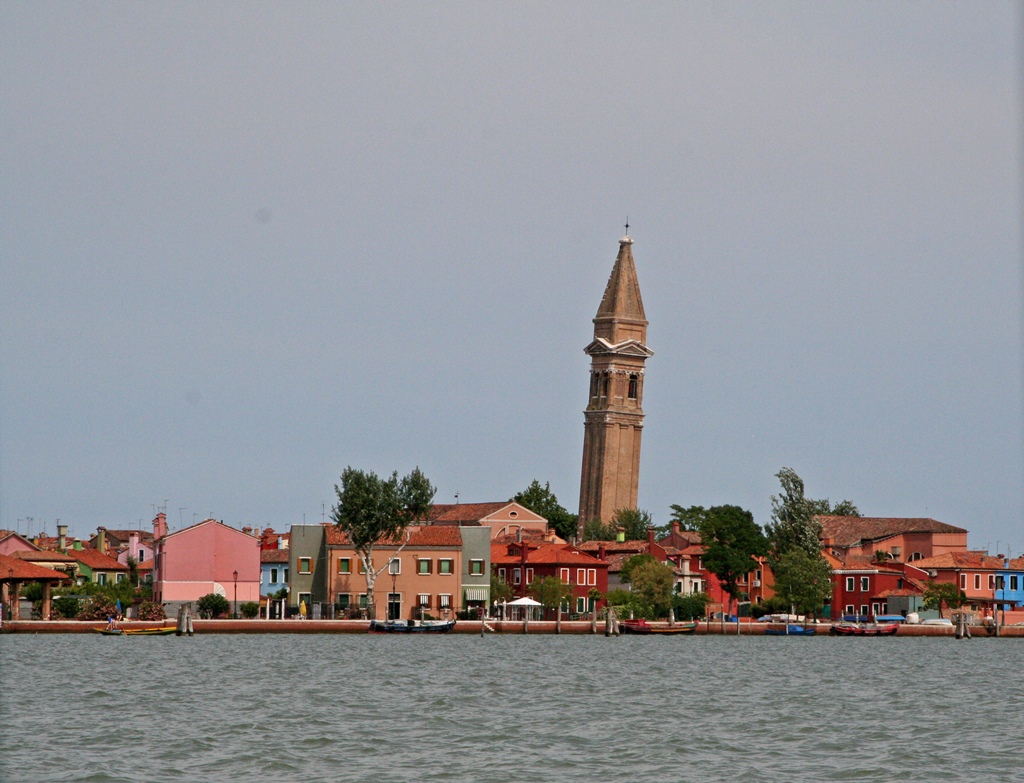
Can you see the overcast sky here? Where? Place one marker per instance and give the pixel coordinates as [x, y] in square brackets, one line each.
[247, 244]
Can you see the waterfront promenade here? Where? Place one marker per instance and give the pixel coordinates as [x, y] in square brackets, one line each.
[205, 627]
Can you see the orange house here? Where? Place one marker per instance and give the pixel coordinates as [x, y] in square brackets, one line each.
[422, 578]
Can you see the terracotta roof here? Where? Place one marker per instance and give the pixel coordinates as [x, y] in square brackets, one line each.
[468, 513]
[848, 531]
[899, 593]
[43, 556]
[961, 560]
[274, 556]
[547, 554]
[96, 560]
[420, 535]
[16, 568]
[681, 538]
[636, 547]
[124, 535]
[145, 565]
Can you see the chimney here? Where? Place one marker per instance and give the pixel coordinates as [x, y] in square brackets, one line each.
[602, 553]
[650, 538]
[247, 530]
[675, 527]
[620, 536]
[101, 539]
[159, 526]
[62, 537]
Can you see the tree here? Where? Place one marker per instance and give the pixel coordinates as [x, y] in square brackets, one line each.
[596, 530]
[500, 589]
[634, 523]
[688, 518]
[371, 509]
[803, 582]
[551, 591]
[793, 517]
[692, 605]
[651, 587]
[731, 540]
[634, 561]
[542, 500]
[943, 594]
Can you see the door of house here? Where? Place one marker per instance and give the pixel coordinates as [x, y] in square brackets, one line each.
[394, 606]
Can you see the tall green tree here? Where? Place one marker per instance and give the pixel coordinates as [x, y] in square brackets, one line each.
[731, 540]
[802, 581]
[651, 587]
[596, 530]
[689, 518]
[541, 500]
[371, 510]
[634, 523]
[793, 522]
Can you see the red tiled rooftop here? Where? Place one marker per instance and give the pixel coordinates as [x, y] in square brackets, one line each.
[960, 560]
[419, 536]
[43, 556]
[847, 531]
[18, 569]
[548, 554]
[96, 560]
[273, 555]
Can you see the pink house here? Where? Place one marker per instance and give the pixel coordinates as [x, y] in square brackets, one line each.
[209, 557]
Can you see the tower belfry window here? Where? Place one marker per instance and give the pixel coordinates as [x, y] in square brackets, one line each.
[604, 385]
[634, 386]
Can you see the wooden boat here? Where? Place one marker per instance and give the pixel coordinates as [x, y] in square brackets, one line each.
[411, 626]
[645, 628]
[790, 630]
[134, 631]
[856, 629]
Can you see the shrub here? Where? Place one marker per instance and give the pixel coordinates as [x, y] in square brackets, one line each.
[65, 607]
[97, 607]
[249, 609]
[150, 611]
[213, 605]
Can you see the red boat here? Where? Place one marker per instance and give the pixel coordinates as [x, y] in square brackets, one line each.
[644, 627]
[855, 629]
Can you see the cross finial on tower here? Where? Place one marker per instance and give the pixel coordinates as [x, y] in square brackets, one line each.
[627, 225]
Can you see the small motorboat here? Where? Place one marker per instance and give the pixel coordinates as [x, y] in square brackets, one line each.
[411, 626]
[642, 627]
[149, 631]
[792, 629]
[868, 629]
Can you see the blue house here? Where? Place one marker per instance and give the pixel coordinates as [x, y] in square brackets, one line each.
[1009, 592]
[273, 571]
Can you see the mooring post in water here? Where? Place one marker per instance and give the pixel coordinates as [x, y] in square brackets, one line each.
[593, 621]
[558, 620]
[607, 621]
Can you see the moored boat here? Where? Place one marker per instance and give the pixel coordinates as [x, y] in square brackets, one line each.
[857, 629]
[645, 628]
[791, 629]
[411, 626]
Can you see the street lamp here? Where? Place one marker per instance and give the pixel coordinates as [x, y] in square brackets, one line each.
[234, 612]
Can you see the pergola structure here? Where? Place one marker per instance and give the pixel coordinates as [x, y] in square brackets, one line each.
[14, 573]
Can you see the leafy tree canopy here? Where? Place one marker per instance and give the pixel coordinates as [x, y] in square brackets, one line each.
[793, 524]
[541, 500]
[630, 563]
[691, 605]
[802, 581]
[732, 540]
[688, 518]
[371, 509]
[596, 530]
[939, 595]
[550, 591]
[500, 589]
[634, 523]
[651, 587]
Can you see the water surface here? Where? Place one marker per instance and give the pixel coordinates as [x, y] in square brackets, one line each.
[509, 708]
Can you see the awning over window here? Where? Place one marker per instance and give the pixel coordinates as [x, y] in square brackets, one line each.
[476, 593]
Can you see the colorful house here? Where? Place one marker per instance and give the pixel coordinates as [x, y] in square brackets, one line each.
[273, 571]
[504, 518]
[974, 573]
[866, 589]
[902, 540]
[96, 567]
[208, 557]
[520, 563]
[1010, 584]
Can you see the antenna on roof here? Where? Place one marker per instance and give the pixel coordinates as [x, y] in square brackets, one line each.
[456, 497]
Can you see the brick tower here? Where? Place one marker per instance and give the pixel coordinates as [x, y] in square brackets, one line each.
[614, 418]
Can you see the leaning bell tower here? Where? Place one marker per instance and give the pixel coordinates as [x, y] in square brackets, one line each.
[614, 417]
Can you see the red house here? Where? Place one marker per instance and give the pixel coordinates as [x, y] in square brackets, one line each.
[521, 563]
